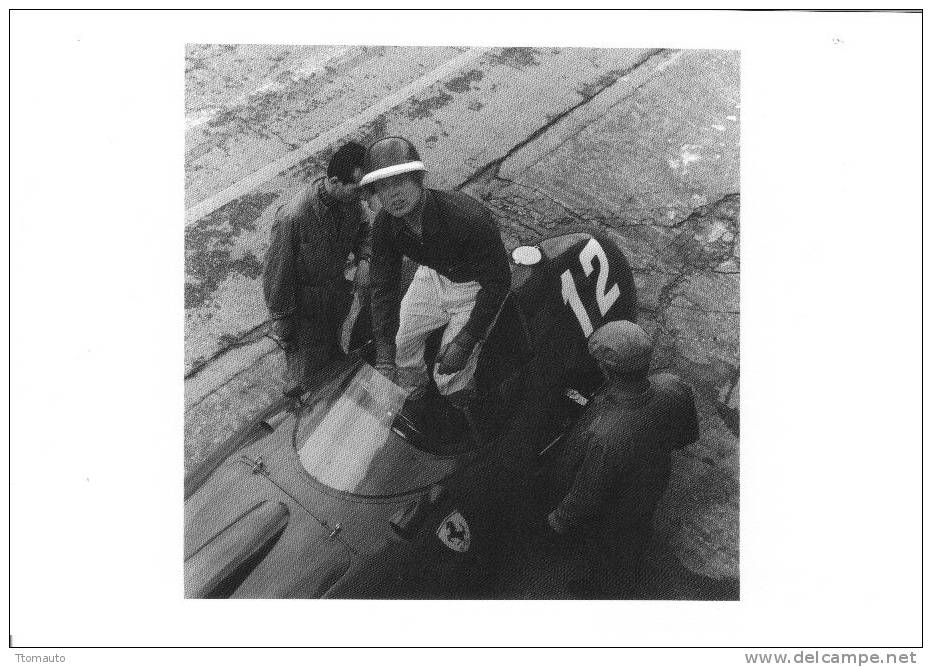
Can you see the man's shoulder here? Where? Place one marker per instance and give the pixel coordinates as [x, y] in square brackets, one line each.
[677, 392]
[298, 203]
[461, 205]
[677, 409]
[669, 383]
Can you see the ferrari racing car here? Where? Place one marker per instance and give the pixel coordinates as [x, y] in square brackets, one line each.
[337, 493]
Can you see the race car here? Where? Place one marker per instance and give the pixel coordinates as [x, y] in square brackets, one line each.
[338, 494]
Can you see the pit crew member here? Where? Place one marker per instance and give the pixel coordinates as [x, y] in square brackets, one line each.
[624, 441]
[308, 297]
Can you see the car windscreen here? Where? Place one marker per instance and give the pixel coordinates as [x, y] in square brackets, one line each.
[346, 440]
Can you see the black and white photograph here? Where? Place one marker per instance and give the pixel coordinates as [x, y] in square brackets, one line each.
[461, 322]
[334, 331]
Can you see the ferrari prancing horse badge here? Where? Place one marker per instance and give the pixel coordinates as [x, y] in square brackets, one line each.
[454, 532]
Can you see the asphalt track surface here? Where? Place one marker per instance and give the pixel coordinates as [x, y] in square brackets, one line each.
[642, 144]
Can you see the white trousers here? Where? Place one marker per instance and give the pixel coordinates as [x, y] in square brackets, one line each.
[431, 302]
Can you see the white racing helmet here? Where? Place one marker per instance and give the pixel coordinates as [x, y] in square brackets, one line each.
[389, 157]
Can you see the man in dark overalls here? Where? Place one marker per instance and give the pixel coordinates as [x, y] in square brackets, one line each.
[308, 296]
[621, 453]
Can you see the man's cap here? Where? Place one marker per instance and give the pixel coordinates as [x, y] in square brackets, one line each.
[389, 157]
[621, 346]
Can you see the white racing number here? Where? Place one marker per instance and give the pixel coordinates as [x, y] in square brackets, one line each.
[591, 252]
[571, 296]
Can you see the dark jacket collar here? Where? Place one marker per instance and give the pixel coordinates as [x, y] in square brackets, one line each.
[429, 217]
[633, 395]
[327, 199]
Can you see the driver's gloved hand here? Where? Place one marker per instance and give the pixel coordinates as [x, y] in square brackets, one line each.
[455, 355]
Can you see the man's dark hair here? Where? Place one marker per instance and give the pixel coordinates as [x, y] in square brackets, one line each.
[345, 161]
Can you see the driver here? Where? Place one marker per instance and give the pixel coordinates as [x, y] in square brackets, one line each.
[461, 283]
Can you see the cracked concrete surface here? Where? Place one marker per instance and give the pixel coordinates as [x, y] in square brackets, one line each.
[250, 104]
[642, 144]
[588, 92]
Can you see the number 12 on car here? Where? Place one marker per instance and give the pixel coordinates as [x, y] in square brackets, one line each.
[591, 252]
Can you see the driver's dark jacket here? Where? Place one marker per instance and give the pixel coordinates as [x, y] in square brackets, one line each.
[624, 443]
[460, 241]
